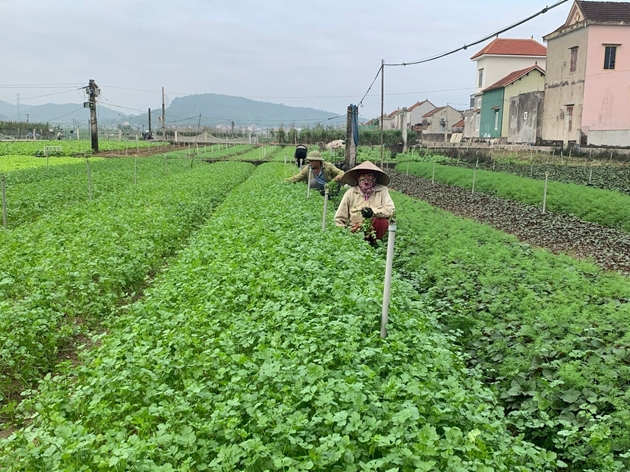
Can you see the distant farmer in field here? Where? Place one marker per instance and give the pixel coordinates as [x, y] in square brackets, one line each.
[368, 199]
[321, 172]
[300, 155]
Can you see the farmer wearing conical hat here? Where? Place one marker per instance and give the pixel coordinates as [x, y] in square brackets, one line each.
[322, 172]
[368, 198]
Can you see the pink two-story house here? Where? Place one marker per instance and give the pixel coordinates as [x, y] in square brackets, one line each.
[587, 90]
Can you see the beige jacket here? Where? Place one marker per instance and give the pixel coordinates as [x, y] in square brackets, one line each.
[353, 201]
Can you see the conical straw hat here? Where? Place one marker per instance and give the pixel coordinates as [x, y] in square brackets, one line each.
[350, 177]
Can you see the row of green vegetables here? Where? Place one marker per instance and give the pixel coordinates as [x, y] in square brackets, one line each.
[73, 266]
[31, 193]
[70, 147]
[605, 207]
[550, 334]
[592, 174]
[15, 163]
[254, 351]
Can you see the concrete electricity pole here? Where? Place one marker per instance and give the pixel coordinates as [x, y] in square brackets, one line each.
[163, 118]
[351, 150]
[93, 91]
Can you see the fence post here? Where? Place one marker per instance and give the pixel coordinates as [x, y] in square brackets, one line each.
[388, 277]
[545, 193]
[325, 209]
[89, 176]
[308, 184]
[4, 204]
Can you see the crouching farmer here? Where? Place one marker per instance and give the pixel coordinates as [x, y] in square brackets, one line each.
[367, 199]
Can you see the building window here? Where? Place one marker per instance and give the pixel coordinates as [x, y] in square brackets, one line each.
[496, 119]
[525, 116]
[609, 57]
[574, 55]
[480, 78]
[570, 118]
[472, 101]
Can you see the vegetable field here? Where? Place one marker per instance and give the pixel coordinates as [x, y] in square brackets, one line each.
[193, 316]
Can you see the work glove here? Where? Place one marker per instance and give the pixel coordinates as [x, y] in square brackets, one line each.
[367, 212]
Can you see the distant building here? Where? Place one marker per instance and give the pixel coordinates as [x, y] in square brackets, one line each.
[494, 62]
[416, 111]
[437, 124]
[587, 94]
[496, 99]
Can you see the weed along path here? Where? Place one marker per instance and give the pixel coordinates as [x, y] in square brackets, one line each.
[560, 233]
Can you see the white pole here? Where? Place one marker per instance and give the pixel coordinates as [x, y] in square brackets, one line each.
[407, 167]
[325, 209]
[545, 193]
[433, 176]
[308, 183]
[590, 176]
[474, 179]
[89, 176]
[4, 203]
[388, 277]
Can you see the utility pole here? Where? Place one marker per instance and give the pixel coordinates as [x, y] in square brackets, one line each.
[382, 104]
[351, 150]
[149, 122]
[163, 118]
[93, 91]
[18, 107]
[27, 117]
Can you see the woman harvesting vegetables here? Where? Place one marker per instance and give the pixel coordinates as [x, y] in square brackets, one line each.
[367, 199]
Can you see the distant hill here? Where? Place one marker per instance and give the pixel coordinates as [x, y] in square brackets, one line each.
[214, 110]
[223, 109]
[55, 113]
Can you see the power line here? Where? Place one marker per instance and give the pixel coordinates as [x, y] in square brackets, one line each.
[380, 70]
[464, 47]
[485, 38]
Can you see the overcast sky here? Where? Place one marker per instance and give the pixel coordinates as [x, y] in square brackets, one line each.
[322, 54]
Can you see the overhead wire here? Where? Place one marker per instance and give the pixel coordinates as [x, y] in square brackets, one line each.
[462, 48]
[485, 38]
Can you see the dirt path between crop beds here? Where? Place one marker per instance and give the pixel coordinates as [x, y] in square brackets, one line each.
[607, 247]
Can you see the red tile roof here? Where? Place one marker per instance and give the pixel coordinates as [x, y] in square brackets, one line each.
[433, 112]
[513, 47]
[417, 104]
[513, 77]
[460, 124]
[605, 11]
[394, 113]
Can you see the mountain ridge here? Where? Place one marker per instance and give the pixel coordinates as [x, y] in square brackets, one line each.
[207, 109]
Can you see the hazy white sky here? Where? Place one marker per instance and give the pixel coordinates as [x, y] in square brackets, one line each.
[322, 54]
